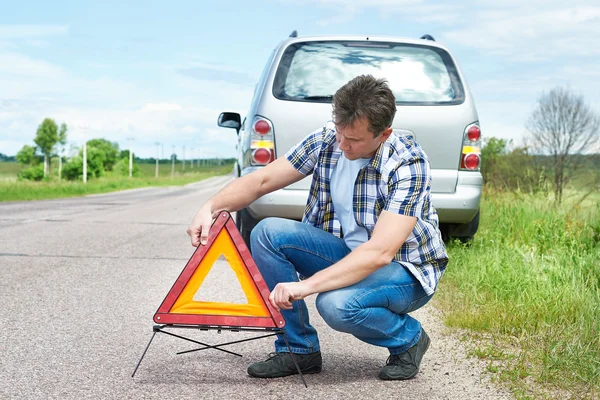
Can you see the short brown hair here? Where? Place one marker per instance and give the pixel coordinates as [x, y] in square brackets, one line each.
[365, 97]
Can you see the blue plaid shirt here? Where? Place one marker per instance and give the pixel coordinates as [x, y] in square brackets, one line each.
[397, 179]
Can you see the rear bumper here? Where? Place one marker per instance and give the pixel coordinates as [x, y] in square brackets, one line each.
[458, 207]
[462, 205]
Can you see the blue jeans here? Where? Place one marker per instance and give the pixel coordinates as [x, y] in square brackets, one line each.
[374, 310]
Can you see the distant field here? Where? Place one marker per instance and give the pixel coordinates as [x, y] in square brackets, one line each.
[9, 170]
[13, 190]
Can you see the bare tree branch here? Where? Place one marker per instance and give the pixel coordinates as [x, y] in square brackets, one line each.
[563, 127]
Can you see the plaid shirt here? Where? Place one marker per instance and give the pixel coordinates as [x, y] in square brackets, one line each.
[397, 179]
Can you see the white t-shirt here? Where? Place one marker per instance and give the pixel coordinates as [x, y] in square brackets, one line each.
[343, 179]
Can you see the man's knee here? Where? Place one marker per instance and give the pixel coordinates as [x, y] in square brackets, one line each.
[267, 232]
[339, 311]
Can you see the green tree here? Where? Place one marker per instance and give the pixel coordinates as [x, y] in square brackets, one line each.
[47, 136]
[122, 168]
[110, 150]
[26, 156]
[492, 150]
[73, 169]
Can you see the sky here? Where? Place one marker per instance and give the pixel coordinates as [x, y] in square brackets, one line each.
[161, 72]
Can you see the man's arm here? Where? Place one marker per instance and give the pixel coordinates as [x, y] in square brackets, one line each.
[242, 192]
[390, 232]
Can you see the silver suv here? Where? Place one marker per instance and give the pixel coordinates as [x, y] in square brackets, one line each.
[293, 98]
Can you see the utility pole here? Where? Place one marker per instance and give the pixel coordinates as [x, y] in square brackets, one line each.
[192, 157]
[130, 155]
[84, 128]
[173, 161]
[183, 160]
[157, 149]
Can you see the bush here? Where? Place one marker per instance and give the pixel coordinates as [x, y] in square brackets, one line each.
[73, 169]
[122, 168]
[110, 151]
[514, 170]
[35, 173]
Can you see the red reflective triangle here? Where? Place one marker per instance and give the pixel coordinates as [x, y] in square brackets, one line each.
[179, 307]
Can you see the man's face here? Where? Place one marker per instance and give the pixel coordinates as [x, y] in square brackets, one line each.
[357, 141]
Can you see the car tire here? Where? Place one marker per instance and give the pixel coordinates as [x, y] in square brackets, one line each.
[464, 232]
[245, 223]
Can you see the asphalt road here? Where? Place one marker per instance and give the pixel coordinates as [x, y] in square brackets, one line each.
[81, 280]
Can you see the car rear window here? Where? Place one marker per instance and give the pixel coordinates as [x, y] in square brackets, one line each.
[419, 75]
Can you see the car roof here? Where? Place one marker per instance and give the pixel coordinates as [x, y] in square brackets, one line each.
[394, 39]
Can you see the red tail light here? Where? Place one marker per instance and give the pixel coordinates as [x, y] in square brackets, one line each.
[262, 142]
[474, 133]
[471, 161]
[263, 156]
[470, 158]
[262, 127]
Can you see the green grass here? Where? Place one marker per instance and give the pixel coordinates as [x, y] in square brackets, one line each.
[528, 292]
[14, 190]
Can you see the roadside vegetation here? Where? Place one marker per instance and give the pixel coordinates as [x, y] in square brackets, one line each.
[526, 291]
[19, 190]
[40, 170]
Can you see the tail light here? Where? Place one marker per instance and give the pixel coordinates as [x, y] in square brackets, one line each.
[470, 158]
[262, 145]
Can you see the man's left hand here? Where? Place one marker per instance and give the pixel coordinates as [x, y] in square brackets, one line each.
[285, 293]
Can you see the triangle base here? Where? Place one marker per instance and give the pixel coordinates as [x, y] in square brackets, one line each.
[274, 331]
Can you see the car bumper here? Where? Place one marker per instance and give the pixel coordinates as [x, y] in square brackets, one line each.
[457, 207]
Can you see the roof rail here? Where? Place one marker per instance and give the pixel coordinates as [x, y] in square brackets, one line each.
[294, 33]
[427, 37]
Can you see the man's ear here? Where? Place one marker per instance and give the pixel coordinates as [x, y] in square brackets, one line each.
[386, 134]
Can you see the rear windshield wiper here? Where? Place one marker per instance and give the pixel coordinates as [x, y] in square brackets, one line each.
[329, 97]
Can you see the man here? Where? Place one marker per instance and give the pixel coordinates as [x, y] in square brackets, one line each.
[369, 242]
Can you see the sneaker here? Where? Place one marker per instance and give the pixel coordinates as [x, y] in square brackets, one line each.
[281, 364]
[405, 365]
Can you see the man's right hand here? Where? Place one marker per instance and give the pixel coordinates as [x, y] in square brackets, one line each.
[200, 226]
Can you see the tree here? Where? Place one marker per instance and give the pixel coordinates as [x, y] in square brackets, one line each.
[564, 127]
[110, 150]
[73, 169]
[491, 151]
[26, 156]
[47, 136]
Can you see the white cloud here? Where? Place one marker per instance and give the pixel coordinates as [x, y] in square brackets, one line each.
[21, 65]
[15, 31]
[530, 32]
[154, 107]
[35, 89]
[189, 129]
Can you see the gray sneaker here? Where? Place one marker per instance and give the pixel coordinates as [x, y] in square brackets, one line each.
[405, 365]
[281, 364]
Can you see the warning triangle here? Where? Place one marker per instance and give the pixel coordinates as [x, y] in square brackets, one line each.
[183, 307]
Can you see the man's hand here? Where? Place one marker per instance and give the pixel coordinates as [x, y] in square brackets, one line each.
[200, 226]
[285, 293]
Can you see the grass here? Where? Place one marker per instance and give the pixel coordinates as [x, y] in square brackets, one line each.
[12, 189]
[528, 292]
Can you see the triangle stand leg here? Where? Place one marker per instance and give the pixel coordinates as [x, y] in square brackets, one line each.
[160, 328]
[144, 353]
[294, 358]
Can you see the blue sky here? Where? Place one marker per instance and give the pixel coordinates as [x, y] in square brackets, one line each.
[163, 71]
